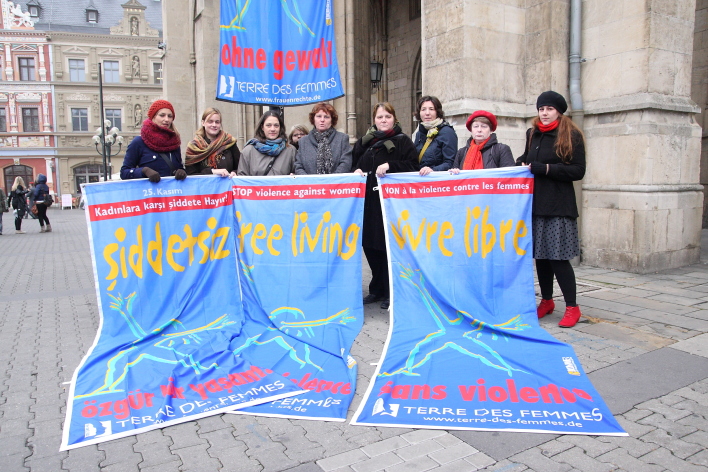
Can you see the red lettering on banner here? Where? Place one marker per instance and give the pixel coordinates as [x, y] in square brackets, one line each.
[448, 188]
[109, 211]
[320, 385]
[550, 393]
[288, 192]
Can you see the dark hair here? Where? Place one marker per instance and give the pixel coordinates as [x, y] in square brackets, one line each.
[327, 108]
[436, 103]
[260, 135]
[386, 106]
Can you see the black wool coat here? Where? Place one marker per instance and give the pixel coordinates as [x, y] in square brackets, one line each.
[553, 194]
[401, 159]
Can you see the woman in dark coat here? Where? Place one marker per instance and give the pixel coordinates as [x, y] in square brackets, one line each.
[384, 148]
[213, 151]
[482, 150]
[39, 193]
[555, 155]
[436, 141]
[325, 150]
[18, 201]
[155, 153]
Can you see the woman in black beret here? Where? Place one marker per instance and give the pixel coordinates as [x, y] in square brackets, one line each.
[555, 154]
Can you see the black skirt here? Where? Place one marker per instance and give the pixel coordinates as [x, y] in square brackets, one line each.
[555, 237]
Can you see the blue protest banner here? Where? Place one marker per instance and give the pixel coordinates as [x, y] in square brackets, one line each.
[465, 350]
[277, 53]
[299, 241]
[164, 259]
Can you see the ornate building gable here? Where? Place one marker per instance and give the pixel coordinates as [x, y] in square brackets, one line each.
[134, 22]
[13, 17]
[75, 50]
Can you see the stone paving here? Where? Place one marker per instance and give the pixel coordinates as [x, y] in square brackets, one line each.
[643, 342]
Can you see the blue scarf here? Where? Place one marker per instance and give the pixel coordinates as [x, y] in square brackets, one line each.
[270, 148]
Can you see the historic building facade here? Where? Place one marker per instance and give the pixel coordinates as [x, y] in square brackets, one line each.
[26, 100]
[123, 38]
[639, 95]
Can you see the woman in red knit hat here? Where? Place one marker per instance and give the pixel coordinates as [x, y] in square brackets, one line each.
[482, 150]
[155, 153]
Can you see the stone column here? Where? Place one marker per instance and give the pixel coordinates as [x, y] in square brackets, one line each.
[642, 202]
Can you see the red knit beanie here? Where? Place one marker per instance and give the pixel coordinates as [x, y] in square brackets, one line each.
[492, 119]
[158, 105]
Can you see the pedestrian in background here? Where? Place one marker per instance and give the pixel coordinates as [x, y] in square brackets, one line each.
[268, 153]
[3, 206]
[18, 200]
[39, 196]
[555, 155]
[436, 141]
[156, 152]
[325, 150]
[213, 151]
[297, 132]
[482, 150]
[383, 149]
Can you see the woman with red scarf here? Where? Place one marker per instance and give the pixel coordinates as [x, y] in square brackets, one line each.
[212, 151]
[383, 149]
[555, 155]
[155, 153]
[482, 151]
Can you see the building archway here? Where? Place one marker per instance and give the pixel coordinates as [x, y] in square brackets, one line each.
[86, 174]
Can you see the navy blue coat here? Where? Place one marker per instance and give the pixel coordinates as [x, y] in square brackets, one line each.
[40, 189]
[441, 153]
[138, 155]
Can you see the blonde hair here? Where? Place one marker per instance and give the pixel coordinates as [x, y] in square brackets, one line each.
[207, 113]
[19, 182]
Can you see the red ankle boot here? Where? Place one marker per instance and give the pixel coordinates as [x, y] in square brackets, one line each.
[546, 307]
[571, 316]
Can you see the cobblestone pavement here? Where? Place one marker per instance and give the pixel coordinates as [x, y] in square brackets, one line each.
[643, 341]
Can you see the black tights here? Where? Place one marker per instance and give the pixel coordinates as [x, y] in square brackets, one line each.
[42, 214]
[546, 268]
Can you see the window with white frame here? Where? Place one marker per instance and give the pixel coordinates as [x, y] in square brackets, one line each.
[111, 71]
[30, 120]
[77, 70]
[3, 120]
[26, 66]
[157, 72]
[79, 119]
[114, 115]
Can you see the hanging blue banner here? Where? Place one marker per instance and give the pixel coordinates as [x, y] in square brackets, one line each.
[465, 350]
[299, 241]
[164, 259]
[277, 52]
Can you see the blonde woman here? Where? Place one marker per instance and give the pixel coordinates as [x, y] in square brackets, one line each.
[18, 201]
[213, 151]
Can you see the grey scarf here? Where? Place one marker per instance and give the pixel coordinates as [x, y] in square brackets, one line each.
[324, 151]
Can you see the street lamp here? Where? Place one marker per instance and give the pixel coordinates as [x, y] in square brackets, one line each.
[104, 140]
[105, 135]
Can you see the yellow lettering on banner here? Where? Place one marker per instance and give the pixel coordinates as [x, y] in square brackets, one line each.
[156, 248]
[293, 235]
[222, 235]
[335, 237]
[351, 237]
[135, 255]
[276, 234]
[172, 241]
[476, 212]
[504, 228]
[487, 230]
[212, 242]
[521, 231]
[245, 229]
[259, 232]
[446, 232]
[468, 222]
[432, 228]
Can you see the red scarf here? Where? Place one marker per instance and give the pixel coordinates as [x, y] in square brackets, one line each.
[158, 138]
[473, 158]
[549, 127]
